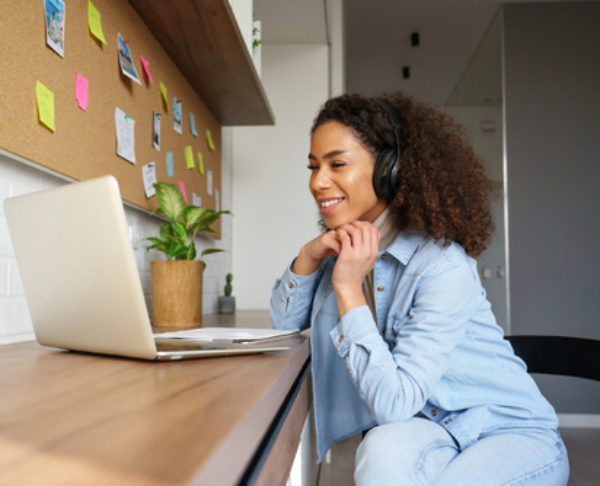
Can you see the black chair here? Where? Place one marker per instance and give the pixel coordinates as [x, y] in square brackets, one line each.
[558, 355]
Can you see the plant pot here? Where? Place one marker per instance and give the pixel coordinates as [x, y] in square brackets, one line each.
[176, 293]
[227, 304]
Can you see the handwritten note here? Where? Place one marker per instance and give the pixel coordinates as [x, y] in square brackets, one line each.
[124, 126]
[146, 69]
[189, 157]
[149, 176]
[95, 23]
[170, 164]
[163, 93]
[45, 105]
[209, 140]
[196, 200]
[182, 189]
[81, 91]
[200, 162]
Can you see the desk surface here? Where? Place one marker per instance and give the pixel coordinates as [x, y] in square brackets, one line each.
[82, 419]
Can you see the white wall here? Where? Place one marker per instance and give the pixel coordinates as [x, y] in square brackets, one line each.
[17, 178]
[274, 213]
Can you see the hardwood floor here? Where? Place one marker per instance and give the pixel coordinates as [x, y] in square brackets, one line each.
[583, 446]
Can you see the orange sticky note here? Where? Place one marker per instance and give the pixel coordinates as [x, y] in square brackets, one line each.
[45, 105]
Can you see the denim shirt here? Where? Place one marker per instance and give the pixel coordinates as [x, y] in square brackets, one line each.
[436, 349]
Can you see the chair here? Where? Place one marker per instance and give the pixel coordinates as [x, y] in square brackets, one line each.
[558, 355]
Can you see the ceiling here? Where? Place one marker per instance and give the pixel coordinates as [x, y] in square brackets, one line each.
[377, 42]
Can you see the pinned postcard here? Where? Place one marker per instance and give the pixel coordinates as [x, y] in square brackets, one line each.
[146, 69]
[45, 105]
[209, 182]
[196, 200]
[124, 126]
[193, 125]
[217, 200]
[200, 162]
[81, 91]
[125, 60]
[182, 189]
[55, 25]
[95, 23]
[189, 157]
[156, 130]
[163, 93]
[170, 164]
[177, 115]
[209, 140]
[149, 176]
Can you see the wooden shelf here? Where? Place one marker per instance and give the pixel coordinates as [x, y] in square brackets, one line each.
[203, 39]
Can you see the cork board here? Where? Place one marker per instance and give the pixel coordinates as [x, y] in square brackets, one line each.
[83, 144]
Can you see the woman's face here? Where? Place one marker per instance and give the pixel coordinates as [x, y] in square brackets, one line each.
[341, 179]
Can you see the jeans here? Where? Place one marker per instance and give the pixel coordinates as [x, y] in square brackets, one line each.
[421, 452]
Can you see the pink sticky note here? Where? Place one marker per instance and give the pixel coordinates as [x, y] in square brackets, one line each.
[182, 189]
[145, 63]
[81, 91]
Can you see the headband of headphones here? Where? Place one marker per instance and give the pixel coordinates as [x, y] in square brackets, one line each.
[386, 180]
[396, 123]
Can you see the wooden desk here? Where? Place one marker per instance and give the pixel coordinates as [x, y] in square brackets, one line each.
[71, 418]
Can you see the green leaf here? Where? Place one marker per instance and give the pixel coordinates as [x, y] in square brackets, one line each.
[192, 214]
[180, 231]
[191, 252]
[176, 249]
[208, 251]
[170, 201]
[166, 231]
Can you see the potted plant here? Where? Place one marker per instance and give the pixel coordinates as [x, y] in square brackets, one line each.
[177, 281]
[227, 301]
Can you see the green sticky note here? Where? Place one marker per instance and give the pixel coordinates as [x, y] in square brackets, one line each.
[209, 140]
[45, 104]
[200, 163]
[163, 92]
[95, 23]
[189, 158]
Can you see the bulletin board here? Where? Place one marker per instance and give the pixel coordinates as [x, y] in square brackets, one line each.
[83, 143]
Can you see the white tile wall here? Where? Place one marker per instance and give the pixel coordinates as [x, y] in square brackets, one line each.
[18, 178]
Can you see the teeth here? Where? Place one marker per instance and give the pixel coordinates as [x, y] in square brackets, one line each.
[331, 202]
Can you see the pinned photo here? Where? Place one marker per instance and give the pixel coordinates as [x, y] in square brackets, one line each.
[127, 67]
[55, 25]
[156, 131]
[177, 115]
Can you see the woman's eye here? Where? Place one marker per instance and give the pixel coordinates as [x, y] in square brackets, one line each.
[336, 165]
[312, 167]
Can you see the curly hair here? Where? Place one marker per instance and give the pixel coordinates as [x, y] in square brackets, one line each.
[443, 190]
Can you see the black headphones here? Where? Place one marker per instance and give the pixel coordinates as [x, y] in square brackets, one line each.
[385, 174]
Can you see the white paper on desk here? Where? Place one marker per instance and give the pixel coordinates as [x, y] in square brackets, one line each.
[226, 334]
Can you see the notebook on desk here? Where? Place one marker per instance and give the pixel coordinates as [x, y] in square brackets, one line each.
[81, 280]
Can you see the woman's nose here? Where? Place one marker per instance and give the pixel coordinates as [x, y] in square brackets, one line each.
[320, 179]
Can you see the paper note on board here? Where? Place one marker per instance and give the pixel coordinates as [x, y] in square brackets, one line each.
[193, 125]
[217, 200]
[81, 91]
[182, 189]
[149, 176]
[209, 182]
[196, 200]
[200, 162]
[170, 164]
[45, 104]
[95, 22]
[55, 25]
[145, 68]
[209, 140]
[189, 157]
[163, 93]
[124, 126]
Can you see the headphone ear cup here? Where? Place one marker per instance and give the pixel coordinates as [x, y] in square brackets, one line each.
[385, 174]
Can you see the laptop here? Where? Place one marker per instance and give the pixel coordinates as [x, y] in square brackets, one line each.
[80, 277]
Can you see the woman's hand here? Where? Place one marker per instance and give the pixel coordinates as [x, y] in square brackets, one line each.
[311, 254]
[359, 243]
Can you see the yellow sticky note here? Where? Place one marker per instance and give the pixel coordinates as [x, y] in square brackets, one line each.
[209, 140]
[200, 163]
[45, 104]
[95, 23]
[189, 158]
[163, 92]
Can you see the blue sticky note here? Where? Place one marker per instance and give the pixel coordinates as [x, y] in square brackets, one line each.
[170, 164]
[193, 125]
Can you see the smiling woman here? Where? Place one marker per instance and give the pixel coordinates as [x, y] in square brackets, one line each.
[404, 343]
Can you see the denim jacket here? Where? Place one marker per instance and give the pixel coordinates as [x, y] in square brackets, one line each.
[436, 348]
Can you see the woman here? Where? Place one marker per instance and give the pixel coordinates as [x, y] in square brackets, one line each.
[404, 343]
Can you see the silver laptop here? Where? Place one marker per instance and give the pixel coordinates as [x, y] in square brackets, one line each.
[80, 277]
